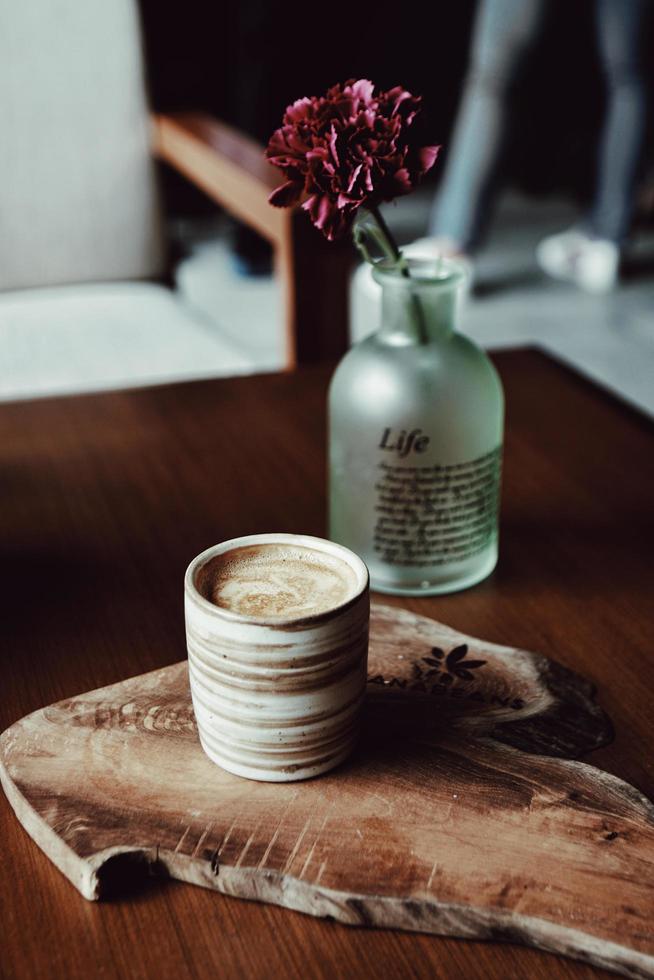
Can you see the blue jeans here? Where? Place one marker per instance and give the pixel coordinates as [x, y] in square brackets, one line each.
[503, 34]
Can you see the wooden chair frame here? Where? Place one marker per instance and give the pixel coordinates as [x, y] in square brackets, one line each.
[313, 273]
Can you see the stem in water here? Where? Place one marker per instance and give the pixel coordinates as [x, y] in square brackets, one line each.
[402, 264]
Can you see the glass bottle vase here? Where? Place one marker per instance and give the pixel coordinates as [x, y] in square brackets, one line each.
[416, 416]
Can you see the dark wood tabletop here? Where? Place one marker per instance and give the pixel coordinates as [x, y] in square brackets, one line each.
[105, 499]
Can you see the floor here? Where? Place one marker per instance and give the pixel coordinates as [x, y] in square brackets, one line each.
[234, 323]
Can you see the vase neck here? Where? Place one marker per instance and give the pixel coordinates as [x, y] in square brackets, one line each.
[421, 307]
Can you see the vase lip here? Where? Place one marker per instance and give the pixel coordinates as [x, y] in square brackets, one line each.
[437, 272]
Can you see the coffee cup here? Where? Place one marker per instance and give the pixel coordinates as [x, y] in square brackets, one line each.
[277, 636]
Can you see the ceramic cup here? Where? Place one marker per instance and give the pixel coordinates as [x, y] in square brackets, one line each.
[277, 699]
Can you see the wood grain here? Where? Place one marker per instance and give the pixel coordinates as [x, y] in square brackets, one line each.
[106, 498]
[435, 825]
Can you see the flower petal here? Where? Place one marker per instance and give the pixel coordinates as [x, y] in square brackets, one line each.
[402, 178]
[427, 157]
[363, 89]
[458, 653]
[286, 194]
[299, 110]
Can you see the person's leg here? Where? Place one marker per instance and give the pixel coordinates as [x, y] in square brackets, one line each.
[589, 255]
[503, 31]
[620, 29]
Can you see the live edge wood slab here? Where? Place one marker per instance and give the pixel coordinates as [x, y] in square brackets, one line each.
[461, 813]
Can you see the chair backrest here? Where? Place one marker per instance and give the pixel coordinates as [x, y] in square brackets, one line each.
[78, 196]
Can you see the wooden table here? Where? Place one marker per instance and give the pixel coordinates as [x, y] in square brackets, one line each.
[105, 499]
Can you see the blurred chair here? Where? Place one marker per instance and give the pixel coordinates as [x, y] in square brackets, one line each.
[83, 261]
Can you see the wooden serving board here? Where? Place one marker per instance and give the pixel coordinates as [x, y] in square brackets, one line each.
[460, 814]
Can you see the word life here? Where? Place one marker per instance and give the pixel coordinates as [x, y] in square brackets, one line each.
[405, 442]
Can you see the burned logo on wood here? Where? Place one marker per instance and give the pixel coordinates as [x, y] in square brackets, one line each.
[439, 677]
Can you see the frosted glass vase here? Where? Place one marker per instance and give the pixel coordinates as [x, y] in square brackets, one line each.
[416, 415]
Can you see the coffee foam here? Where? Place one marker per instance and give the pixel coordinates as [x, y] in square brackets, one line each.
[277, 581]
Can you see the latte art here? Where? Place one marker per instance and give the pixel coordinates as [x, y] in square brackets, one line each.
[276, 581]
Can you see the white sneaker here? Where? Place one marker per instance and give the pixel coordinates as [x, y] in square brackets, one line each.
[590, 263]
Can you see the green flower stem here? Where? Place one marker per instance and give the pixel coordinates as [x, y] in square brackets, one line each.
[402, 264]
[392, 244]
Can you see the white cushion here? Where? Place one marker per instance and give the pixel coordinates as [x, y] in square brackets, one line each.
[78, 197]
[94, 337]
[249, 309]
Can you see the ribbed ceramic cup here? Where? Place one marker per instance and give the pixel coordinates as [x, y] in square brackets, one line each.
[277, 699]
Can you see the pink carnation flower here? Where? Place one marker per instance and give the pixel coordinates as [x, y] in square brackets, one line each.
[347, 149]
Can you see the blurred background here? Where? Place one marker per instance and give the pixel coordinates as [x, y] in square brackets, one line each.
[245, 62]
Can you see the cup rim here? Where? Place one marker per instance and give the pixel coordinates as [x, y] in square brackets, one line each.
[301, 540]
